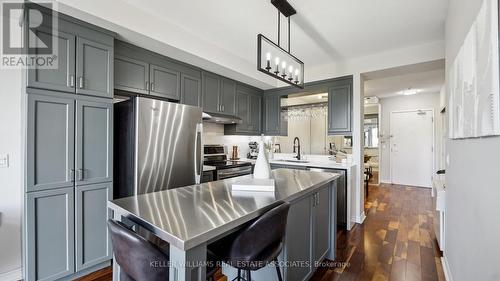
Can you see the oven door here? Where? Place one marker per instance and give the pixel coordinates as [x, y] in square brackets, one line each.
[233, 172]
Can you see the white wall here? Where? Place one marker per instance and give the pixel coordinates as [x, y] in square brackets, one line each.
[419, 101]
[472, 182]
[11, 188]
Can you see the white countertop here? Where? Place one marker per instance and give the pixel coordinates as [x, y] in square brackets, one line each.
[317, 161]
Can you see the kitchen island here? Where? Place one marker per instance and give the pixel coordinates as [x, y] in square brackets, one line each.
[190, 218]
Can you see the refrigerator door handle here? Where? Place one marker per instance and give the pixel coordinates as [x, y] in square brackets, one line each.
[198, 157]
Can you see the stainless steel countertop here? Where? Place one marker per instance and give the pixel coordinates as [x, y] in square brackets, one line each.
[189, 216]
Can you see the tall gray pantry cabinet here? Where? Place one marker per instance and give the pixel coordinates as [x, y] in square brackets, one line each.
[69, 154]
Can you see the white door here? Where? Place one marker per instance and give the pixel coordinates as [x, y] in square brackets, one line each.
[412, 147]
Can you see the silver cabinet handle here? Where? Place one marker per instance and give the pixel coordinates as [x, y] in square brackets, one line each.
[80, 174]
[147, 85]
[72, 175]
[152, 86]
[223, 107]
[80, 82]
[71, 80]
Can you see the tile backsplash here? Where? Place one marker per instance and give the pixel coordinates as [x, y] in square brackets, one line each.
[214, 134]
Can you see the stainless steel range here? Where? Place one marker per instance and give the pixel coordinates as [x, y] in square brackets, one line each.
[215, 155]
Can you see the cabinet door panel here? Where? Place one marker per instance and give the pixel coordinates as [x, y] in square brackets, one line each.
[131, 75]
[322, 224]
[94, 141]
[50, 142]
[165, 82]
[272, 115]
[62, 77]
[228, 96]
[50, 234]
[255, 113]
[242, 107]
[191, 90]
[94, 66]
[92, 238]
[298, 240]
[210, 92]
[339, 109]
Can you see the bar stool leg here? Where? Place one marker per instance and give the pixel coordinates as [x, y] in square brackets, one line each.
[249, 276]
[276, 264]
[239, 274]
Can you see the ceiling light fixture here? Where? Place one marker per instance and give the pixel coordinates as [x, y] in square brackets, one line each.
[276, 61]
[409, 92]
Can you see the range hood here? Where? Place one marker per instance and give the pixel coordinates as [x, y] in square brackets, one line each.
[221, 118]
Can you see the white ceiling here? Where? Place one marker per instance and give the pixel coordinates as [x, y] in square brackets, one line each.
[323, 31]
[424, 77]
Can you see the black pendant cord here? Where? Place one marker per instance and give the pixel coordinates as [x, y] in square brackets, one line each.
[279, 20]
[288, 34]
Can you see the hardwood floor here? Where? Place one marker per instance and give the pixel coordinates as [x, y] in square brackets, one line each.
[395, 243]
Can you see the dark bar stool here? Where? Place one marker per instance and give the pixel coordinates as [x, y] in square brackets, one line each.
[134, 254]
[255, 245]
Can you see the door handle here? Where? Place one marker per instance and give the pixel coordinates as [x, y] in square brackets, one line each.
[152, 86]
[198, 157]
[147, 85]
[71, 80]
[80, 82]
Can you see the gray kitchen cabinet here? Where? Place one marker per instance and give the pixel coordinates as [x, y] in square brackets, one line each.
[321, 228]
[131, 75]
[227, 96]
[94, 141]
[94, 68]
[272, 115]
[50, 142]
[190, 90]
[211, 92]
[62, 76]
[93, 245]
[49, 234]
[164, 82]
[340, 109]
[299, 254]
[255, 111]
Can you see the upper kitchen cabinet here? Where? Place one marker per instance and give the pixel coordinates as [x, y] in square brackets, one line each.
[272, 115]
[143, 72]
[190, 90]
[84, 60]
[62, 77]
[340, 109]
[248, 107]
[228, 96]
[131, 75]
[219, 94]
[211, 92]
[164, 82]
[94, 68]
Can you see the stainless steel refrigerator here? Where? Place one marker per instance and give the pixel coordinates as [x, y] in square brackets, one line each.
[157, 146]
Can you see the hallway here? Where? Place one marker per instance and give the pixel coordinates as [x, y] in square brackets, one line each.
[395, 243]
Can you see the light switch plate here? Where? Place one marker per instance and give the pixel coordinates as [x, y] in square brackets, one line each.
[4, 160]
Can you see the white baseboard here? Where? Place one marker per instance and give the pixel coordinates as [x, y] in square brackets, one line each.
[13, 275]
[446, 269]
[359, 219]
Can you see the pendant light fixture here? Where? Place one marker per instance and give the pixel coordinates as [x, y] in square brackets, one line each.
[275, 61]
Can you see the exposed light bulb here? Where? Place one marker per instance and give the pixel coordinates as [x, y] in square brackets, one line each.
[296, 72]
[290, 69]
[268, 56]
[283, 65]
[277, 60]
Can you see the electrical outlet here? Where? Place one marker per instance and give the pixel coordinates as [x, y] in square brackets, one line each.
[4, 160]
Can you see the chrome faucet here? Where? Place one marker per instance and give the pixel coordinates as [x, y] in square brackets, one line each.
[296, 147]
